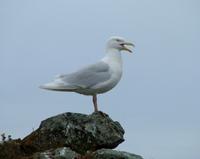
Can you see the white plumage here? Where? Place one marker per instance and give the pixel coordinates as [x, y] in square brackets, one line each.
[96, 78]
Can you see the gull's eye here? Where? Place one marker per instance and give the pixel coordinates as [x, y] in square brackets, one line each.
[118, 40]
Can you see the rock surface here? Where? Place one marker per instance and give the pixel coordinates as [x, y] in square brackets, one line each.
[70, 136]
[67, 153]
[80, 132]
[113, 154]
[59, 153]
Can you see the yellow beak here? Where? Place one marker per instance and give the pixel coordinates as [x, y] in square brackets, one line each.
[125, 44]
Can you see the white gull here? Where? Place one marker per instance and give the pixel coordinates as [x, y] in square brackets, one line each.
[96, 78]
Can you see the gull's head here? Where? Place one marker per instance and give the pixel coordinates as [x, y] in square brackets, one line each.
[119, 43]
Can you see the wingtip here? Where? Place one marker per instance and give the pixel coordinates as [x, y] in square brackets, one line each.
[44, 86]
[49, 86]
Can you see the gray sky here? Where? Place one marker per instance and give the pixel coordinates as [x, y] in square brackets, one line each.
[158, 99]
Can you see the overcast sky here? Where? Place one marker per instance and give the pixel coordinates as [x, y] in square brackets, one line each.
[158, 99]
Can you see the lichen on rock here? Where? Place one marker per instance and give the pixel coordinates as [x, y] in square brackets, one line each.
[113, 154]
[67, 153]
[70, 136]
[96, 131]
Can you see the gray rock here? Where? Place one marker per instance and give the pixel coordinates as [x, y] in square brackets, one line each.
[113, 154]
[59, 153]
[70, 136]
[67, 153]
[80, 132]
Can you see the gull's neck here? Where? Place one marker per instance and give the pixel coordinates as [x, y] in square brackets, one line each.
[112, 56]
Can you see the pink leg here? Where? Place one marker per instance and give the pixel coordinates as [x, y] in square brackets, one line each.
[95, 103]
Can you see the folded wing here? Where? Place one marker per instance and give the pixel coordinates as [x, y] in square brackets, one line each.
[81, 79]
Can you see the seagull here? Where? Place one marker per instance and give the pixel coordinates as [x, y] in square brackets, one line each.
[96, 78]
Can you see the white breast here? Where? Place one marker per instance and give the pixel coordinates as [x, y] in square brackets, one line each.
[114, 60]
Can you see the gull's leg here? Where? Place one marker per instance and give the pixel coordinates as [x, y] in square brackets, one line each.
[95, 102]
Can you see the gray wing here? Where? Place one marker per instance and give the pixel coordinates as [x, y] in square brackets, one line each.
[88, 76]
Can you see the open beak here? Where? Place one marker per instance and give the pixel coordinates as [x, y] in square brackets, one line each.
[125, 44]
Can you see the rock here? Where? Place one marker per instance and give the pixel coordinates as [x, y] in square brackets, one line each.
[70, 136]
[80, 132]
[113, 154]
[67, 153]
[59, 153]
